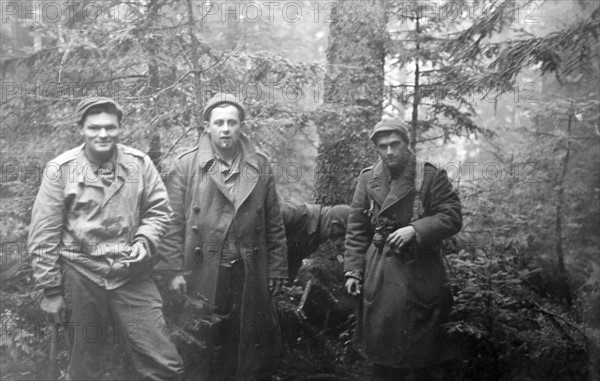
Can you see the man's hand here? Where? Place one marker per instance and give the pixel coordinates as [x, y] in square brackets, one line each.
[275, 285]
[137, 254]
[401, 237]
[54, 306]
[178, 284]
[353, 286]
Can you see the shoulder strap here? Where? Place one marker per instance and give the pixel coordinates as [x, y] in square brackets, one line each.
[370, 212]
[418, 209]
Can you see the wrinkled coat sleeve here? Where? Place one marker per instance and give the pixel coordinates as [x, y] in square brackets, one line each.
[172, 246]
[359, 231]
[294, 218]
[45, 230]
[275, 233]
[155, 212]
[443, 216]
[291, 216]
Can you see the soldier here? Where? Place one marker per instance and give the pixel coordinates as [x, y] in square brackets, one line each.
[309, 225]
[229, 233]
[97, 219]
[399, 215]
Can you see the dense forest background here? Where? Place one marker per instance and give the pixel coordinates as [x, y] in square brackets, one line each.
[502, 94]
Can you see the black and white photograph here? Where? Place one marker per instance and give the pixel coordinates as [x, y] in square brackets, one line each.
[300, 190]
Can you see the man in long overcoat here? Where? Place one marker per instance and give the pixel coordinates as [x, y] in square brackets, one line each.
[307, 226]
[101, 210]
[400, 213]
[228, 232]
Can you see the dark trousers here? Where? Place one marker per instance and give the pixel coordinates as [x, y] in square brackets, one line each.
[135, 312]
[228, 301]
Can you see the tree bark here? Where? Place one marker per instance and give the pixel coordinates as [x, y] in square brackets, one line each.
[417, 94]
[196, 119]
[353, 97]
[559, 210]
[151, 45]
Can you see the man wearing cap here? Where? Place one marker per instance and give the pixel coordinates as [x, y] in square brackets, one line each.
[99, 214]
[307, 226]
[228, 234]
[399, 215]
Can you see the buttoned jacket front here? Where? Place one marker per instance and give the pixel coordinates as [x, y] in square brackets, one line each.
[204, 215]
[405, 295]
[79, 222]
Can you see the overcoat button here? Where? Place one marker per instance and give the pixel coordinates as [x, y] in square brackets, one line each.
[196, 209]
[195, 229]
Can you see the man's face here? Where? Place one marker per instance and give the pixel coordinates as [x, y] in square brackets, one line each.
[392, 149]
[224, 128]
[101, 133]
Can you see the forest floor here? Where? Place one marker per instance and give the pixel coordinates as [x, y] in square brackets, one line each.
[517, 326]
[313, 354]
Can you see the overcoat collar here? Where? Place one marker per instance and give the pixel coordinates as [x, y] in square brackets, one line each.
[249, 165]
[206, 154]
[387, 194]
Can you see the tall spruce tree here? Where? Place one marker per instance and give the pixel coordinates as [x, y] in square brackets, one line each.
[353, 97]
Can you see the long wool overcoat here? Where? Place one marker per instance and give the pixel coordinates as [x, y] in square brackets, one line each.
[203, 214]
[405, 296]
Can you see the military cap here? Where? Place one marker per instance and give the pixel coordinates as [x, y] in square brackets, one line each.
[391, 125]
[88, 103]
[219, 99]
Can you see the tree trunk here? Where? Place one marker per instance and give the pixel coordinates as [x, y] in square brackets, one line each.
[417, 95]
[353, 98]
[196, 118]
[352, 106]
[560, 206]
[151, 45]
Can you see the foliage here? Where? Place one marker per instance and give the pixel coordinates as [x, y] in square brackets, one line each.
[152, 73]
[165, 59]
[513, 332]
[431, 61]
[571, 50]
[520, 211]
[142, 54]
